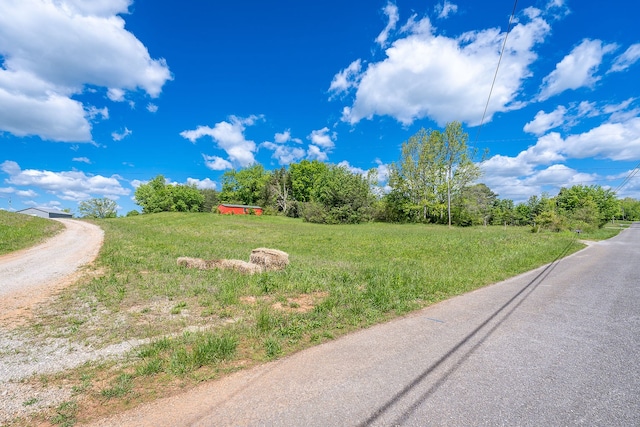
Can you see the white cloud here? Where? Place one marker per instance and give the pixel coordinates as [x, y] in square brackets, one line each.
[216, 163]
[353, 169]
[391, 12]
[70, 185]
[627, 59]
[284, 154]
[285, 137]
[615, 141]
[82, 160]
[122, 135]
[229, 136]
[323, 139]
[444, 10]
[202, 184]
[116, 95]
[520, 176]
[26, 193]
[559, 176]
[152, 108]
[315, 153]
[347, 78]
[577, 69]
[52, 50]
[93, 112]
[545, 121]
[429, 75]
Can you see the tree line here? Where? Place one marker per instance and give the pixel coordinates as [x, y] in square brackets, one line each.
[434, 181]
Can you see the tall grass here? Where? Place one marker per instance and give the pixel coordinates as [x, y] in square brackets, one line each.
[18, 231]
[340, 278]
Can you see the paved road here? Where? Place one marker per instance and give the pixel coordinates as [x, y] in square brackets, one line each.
[556, 346]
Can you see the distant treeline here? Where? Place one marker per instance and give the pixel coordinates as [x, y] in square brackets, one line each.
[435, 181]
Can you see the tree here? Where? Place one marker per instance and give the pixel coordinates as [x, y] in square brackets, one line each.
[591, 205]
[433, 169]
[339, 196]
[153, 196]
[98, 208]
[304, 177]
[280, 188]
[245, 186]
[477, 205]
[210, 201]
[629, 209]
[157, 196]
[459, 166]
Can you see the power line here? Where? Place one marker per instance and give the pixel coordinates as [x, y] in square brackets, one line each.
[632, 174]
[495, 76]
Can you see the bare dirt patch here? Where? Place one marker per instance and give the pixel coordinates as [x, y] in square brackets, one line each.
[300, 304]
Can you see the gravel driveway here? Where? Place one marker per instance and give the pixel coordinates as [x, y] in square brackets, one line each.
[27, 278]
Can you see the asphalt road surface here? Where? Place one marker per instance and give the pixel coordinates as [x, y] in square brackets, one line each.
[558, 346]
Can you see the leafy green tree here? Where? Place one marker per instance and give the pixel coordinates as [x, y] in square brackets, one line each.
[210, 199]
[433, 169]
[504, 212]
[629, 209]
[339, 196]
[458, 163]
[153, 196]
[98, 208]
[156, 196]
[304, 177]
[185, 198]
[591, 205]
[476, 207]
[245, 186]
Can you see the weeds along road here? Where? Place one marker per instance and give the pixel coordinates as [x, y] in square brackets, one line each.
[556, 346]
[30, 275]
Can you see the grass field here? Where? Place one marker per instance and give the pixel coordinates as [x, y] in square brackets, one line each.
[18, 231]
[202, 324]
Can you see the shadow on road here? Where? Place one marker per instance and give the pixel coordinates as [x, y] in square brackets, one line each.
[457, 351]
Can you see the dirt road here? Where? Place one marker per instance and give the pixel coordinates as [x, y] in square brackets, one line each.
[30, 276]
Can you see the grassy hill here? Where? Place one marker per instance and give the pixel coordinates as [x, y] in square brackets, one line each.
[18, 231]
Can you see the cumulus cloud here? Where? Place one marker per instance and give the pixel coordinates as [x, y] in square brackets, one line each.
[577, 69]
[82, 160]
[542, 165]
[627, 59]
[545, 121]
[346, 79]
[69, 185]
[322, 138]
[216, 163]
[228, 136]
[391, 12]
[426, 74]
[284, 154]
[202, 184]
[315, 153]
[53, 49]
[119, 136]
[444, 10]
[152, 108]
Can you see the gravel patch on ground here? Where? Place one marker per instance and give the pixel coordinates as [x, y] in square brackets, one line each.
[22, 358]
[30, 277]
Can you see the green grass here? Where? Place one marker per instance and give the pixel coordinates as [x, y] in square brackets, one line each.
[340, 278]
[18, 231]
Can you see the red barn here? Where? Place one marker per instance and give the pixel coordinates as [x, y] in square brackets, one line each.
[239, 209]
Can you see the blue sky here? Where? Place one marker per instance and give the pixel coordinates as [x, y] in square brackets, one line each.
[97, 96]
